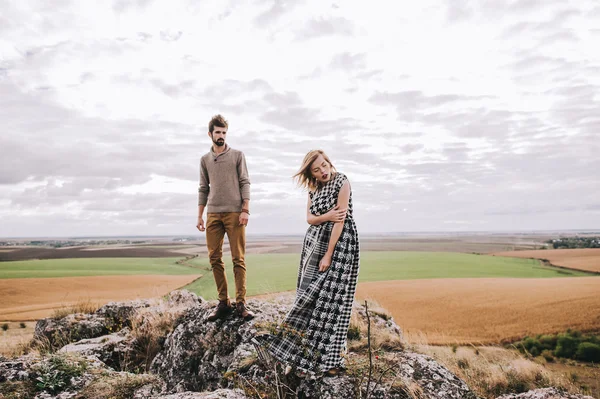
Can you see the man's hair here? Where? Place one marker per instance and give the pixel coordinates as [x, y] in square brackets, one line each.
[217, 120]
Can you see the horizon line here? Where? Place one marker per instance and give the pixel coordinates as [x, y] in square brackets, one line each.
[532, 231]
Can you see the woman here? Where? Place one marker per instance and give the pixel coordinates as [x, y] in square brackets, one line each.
[313, 335]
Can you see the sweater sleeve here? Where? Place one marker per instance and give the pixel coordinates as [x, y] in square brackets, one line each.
[243, 176]
[204, 187]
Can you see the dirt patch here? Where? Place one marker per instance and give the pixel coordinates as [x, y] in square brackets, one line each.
[35, 298]
[487, 311]
[15, 335]
[584, 374]
[587, 259]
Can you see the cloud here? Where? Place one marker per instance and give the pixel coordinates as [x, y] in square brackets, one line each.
[326, 26]
[274, 12]
[126, 5]
[348, 61]
[483, 113]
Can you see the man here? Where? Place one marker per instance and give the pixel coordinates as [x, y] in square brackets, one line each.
[225, 187]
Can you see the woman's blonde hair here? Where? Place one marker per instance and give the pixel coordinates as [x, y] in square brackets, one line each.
[304, 176]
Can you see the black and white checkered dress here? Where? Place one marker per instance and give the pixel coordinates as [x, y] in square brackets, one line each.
[314, 333]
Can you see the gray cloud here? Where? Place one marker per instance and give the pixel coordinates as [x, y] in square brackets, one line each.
[126, 5]
[349, 61]
[513, 154]
[274, 12]
[322, 27]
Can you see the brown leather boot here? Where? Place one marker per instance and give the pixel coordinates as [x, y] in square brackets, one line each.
[243, 312]
[223, 309]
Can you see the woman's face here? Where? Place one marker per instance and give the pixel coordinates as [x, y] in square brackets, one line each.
[321, 169]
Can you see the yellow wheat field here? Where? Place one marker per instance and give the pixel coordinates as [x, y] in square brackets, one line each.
[34, 298]
[487, 311]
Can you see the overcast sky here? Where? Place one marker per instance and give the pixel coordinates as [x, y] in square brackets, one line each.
[446, 115]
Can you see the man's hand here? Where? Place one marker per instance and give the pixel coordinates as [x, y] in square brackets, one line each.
[244, 219]
[325, 262]
[200, 224]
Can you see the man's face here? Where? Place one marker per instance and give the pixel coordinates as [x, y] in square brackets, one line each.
[321, 169]
[218, 135]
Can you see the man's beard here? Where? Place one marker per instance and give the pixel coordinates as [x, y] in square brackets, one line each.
[219, 142]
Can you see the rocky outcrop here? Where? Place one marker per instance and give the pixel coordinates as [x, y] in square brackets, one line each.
[544, 393]
[189, 357]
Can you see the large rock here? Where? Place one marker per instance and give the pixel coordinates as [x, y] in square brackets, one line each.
[544, 393]
[16, 369]
[198, 353]
[218, 394]
[434, 379]
[110, 318]
[74, 327]
[110, 349]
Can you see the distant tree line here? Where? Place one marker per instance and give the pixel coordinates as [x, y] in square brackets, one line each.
[575, 242]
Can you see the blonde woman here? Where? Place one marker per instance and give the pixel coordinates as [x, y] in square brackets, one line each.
[313, 335]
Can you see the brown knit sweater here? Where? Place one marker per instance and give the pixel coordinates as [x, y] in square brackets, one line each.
[224, 181]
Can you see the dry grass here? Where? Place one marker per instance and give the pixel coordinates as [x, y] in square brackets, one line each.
[493, 371]
[149, 327]
[381, 338]
[15, 339]
[35, 298]
[587, 259]
[122, 386]
[487, 311]
[82, 306]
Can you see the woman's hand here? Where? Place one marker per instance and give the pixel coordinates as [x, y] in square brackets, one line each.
[325, 262]
[336, 215]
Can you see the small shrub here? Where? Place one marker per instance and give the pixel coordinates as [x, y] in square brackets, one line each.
[534, 351]
[462, 363]
[573, 377]
[588, 352]
[547, 354]
[548, 342]
[517, 383]
[22, 325]
[531, 346]
[354, 332]
[54, 375]
[566, 346]
[454, 348]
[4, 326]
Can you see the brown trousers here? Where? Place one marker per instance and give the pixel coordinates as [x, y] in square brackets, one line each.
[217, 224]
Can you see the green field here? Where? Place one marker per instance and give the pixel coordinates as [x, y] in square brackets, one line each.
[278, 272]
[92, 267]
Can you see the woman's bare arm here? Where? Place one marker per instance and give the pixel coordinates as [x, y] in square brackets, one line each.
[337, 214]
[336, 232]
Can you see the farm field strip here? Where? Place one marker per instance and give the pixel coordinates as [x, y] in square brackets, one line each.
[92, 267]
[587, 259]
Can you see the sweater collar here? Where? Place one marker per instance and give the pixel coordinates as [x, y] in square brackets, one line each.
[215, 155]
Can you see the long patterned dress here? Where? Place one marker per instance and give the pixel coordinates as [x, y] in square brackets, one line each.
[314, 333]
